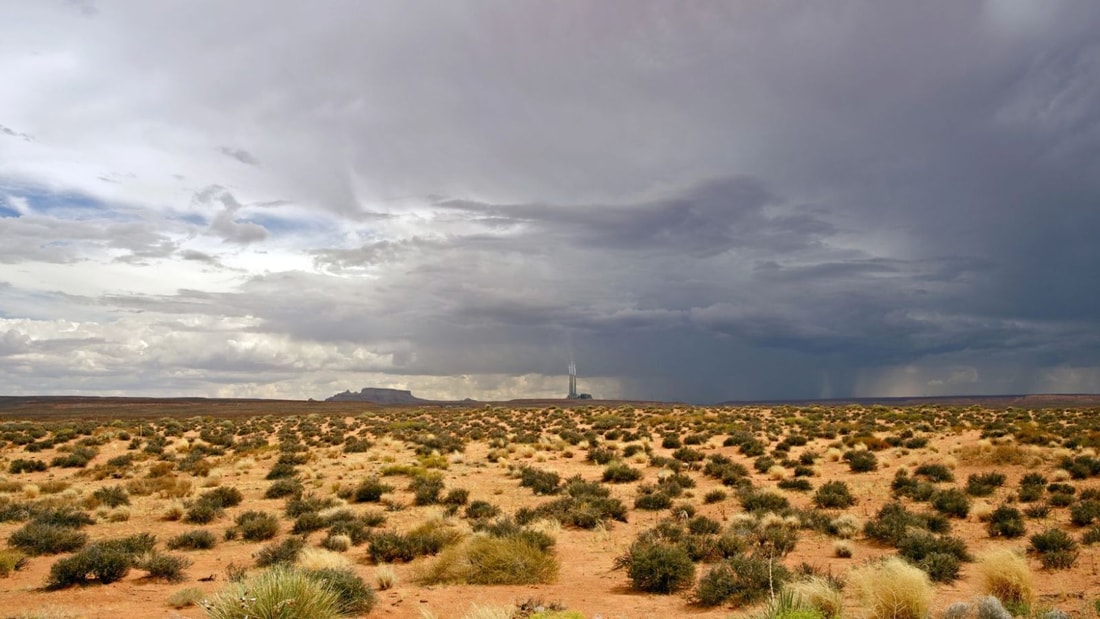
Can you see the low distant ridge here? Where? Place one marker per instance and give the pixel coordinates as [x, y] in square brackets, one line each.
[377, 395]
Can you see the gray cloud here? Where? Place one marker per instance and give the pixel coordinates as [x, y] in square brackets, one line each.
[240, 155]
[700, 202]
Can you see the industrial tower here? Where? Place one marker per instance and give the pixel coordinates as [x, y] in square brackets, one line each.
[573, 395]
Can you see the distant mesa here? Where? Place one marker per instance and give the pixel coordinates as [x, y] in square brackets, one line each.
[377, 395]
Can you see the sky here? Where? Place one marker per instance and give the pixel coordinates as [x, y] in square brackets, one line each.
[696, 201]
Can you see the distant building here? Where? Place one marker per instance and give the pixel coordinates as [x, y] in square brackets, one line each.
[573, 395]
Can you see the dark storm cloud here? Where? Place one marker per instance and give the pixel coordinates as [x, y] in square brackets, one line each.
[700, 201]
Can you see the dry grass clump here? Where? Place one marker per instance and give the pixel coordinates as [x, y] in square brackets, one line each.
[893, 589]
[1006, 576]
[183, 598]
[817, 593]
[483, 560]
[384, 577]
[320, 559]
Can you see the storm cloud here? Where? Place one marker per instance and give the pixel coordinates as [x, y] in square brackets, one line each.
[700, 202]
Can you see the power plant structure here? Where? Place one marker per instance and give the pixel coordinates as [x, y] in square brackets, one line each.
[573, 395]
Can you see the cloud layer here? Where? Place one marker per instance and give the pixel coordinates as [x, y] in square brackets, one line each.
[697, 202]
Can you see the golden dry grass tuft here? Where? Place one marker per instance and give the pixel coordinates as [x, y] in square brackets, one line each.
[1006, 576]
[893, 589]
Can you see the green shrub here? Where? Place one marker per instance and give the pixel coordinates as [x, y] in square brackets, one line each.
[456, 497]
[38, 538]
[111, 496]
[714, 496]
[952, 502]
[354, 597]
[198, 539]
[390, 547]
[282, 592]
[740, 580]
[256, 526]
[653, 501]
[893, 522]
[1084, 512]
[481, 510]
[984, 484]
[618, 472]
[938, 556]
[509, 561]
[202, 512]
[104, 563]
[370, 490]
[283, 488]
[1007, 522]
[308, 522]
[20, 465]
[540, 482]
[657, 568]
[163, 566]
[861, 461]
[284, 552]
[834, 495]
[935, 472]
[426, 489]
[222, 497]
[763, 501]
[1056, 549]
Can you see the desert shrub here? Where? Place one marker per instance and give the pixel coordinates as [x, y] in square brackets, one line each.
[540, 482]
[111, 496]
[20, 465]
[101, 562]
[671, 441]
[308, 522]
[797, 484]
[353, 595]
[202, 512]
[63, 516]
[336, 542]
[653, 500]
[456, 497]
[222, 496]
[701, 525]
[198, 539]
[834, 495]
[1084, 512]
[763, 501]
[278, 553]
[76, 459]
[989, 607]
[10, 561]
[861, 461]
[163, 566]
[984, 484]
[1006, 576]
[267, 593]
[939, 556]
[481, 510]
[688, 455]
[952, 502]
[298, 505]
[1056, 549]
[893, 522]
[935, 472]
[370, 490]
[714, 496]
[1037, 511]
[617, 472]
[39, 538]
[283, 488]
[657, 568]
[257, 526]
[184, 598]
[426, 489]
[1006, 521]
[740, 580]
[893, 589]
[390, 547]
